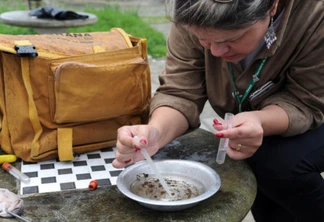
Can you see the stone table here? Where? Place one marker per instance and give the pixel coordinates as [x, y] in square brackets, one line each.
[231, 203]
[45, 26]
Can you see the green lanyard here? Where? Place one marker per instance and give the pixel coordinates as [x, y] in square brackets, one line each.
[254, 79]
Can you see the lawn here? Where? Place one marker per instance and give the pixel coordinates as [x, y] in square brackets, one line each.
[108, 17]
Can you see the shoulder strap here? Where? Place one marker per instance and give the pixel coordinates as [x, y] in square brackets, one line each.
[64, 136]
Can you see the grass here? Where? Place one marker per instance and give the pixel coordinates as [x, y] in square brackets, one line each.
[108, 17]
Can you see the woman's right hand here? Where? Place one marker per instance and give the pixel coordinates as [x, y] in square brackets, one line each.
[128, 148]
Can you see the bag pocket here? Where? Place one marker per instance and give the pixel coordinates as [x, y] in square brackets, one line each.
[86, 92]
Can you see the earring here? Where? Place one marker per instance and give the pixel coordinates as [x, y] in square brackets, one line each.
[270, 36]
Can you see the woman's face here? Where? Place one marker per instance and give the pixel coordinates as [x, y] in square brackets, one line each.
[232, 45]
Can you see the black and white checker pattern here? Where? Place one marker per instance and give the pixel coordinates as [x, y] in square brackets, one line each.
[51, 176]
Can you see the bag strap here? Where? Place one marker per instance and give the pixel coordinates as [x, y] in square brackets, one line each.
[64, 135]
[64, 144]
[125, 36]
[32, 111]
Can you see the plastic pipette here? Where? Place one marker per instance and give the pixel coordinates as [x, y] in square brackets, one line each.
[15, 172]
[153, 167]
[17, 216]
[223, 143]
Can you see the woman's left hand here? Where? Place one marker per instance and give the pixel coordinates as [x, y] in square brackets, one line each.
[245, 136]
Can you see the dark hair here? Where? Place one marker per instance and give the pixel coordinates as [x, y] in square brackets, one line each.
[237, 14]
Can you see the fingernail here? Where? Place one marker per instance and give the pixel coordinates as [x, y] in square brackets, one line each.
[215, 121]
[219, 135]
[144, 142]
[137, 148]
[128, 161]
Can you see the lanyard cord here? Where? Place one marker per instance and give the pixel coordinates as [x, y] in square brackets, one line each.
[254, 79]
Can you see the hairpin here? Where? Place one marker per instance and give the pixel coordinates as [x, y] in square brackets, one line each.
[223, 1]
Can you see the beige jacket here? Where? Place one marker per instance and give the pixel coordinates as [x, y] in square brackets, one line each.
[296, 66]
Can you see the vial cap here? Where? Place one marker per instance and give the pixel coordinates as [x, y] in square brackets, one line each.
[93, 185]
[6, 166]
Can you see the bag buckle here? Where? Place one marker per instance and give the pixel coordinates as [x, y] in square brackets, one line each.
[25, 49]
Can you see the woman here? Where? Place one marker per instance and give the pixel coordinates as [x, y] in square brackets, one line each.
[261, 60]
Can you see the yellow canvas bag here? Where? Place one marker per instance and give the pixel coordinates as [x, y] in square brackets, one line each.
[67, 94]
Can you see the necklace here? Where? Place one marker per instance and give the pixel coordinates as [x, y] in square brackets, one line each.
[240, 98]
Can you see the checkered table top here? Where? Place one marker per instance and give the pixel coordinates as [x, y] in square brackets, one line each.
[51, 176]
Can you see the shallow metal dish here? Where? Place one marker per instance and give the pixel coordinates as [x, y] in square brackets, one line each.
[190, 169]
